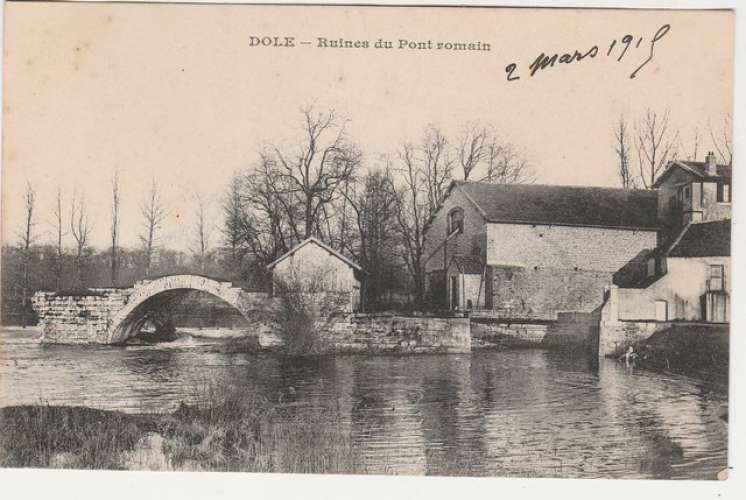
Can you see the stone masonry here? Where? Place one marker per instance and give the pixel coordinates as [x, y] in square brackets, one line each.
[111, 315]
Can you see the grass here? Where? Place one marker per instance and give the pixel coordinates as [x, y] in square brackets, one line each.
[692, 350]
[73, 437]
[232, 430]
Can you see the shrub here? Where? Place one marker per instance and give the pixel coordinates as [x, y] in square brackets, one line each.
[301, 315]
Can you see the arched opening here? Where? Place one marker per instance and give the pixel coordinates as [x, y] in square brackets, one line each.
[176, 313]
[159, 306]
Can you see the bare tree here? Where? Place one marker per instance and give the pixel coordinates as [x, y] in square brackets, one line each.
[233, 219]
[312, 173]
[655, 143]
[80, 229]
[437, 165]
[201, 232]
[27, 239]
[622, 148]
[722, 141]
[484, 157]
[153, 214]
[413, 208]
[115, 199]
[60, 233]
[270, 214]
[696, 139]
[374, 207]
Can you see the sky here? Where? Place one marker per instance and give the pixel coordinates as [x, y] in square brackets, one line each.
[178, 93]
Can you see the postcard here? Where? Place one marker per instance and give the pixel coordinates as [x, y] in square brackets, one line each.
[390, 240]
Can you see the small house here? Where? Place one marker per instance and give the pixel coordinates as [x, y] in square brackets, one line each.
[314, 267]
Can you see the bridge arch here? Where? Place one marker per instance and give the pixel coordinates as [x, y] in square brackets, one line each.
[149, 295]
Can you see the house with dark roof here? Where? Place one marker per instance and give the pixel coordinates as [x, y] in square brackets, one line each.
[689, 279]
[692, 191]
[531, 251]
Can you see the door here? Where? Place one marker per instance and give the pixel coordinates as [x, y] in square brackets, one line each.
[661, 310]
[454, 292]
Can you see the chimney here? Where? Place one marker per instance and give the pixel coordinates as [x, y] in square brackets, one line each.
[711, 164]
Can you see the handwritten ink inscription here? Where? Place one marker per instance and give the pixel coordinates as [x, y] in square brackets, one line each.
[616, 48]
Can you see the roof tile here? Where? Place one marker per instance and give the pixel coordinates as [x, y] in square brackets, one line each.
[704, 239]
[565, 205]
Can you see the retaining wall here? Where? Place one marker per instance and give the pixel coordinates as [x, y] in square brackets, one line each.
[398, 334]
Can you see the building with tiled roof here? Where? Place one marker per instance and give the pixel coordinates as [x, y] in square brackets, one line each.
[688, 276]
[691, 191]
[530, 251]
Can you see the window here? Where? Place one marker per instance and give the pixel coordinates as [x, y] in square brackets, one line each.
[717, 277]
[456, 221]
[723, 195]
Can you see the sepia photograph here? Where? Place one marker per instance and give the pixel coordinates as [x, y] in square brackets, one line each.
[367, 240]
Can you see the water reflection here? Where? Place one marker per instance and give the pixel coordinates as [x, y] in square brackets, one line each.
[511, 413]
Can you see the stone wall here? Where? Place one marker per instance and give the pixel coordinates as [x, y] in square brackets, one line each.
[473, 236]
[542, 293]
[490, 333]
[578, 330]
[614, 337]
[565, 247]
[89, 318]
[80, 318]
[398, 334]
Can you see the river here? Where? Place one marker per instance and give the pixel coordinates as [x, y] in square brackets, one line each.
[523, 413]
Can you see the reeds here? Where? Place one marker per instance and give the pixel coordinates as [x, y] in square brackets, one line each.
[230, 430]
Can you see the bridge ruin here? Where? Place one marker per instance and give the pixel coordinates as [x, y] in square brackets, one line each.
[112, 315]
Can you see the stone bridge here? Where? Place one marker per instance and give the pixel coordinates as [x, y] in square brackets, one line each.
[112, 315]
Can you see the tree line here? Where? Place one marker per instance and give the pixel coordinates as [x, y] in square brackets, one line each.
[373, 210]
[317, 183]
[644, 148]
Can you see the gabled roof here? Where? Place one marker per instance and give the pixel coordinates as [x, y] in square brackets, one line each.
[564, 205]
[703, 239]
[320, 244]
[696, 168]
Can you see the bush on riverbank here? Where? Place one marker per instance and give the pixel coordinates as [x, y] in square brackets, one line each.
[299, 312]
[231, 430]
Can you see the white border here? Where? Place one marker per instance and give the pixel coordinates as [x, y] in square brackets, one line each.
[55, 484]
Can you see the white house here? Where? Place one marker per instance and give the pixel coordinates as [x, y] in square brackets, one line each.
[316, 267]
[688, 281]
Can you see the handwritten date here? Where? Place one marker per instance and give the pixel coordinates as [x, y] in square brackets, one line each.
[616, 48]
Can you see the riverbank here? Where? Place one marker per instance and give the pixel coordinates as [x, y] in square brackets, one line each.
[700, 352]
[231, 431]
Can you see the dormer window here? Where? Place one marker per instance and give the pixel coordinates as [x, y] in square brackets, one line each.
[456, 220]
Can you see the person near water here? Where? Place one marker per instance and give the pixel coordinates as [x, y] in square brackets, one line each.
[629, 356]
